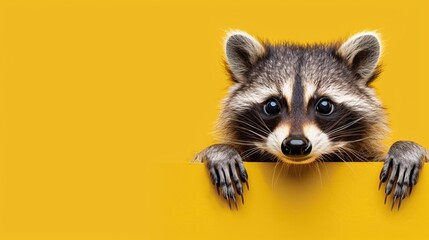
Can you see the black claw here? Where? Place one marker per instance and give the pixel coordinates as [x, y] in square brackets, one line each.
[247, 185]
[235, 203]
[415, 176]
[399, 204]
[229, 202]
[411, 189]
[244, 173]
[242, 199]
[379, 185]
[240, 190]
[385, 199]
[393, 203]
[214, 181]
[217, 188]
[385, 170]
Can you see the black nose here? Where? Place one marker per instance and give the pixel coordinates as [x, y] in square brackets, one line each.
[298, 146]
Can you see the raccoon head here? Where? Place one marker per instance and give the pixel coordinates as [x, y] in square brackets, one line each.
[302, 103]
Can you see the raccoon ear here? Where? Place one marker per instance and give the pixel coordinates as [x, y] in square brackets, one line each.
[242, 52]
[362, 53]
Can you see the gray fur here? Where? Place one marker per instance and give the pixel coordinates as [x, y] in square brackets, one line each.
[401, 168]
[226, 168]
[362, 52]
[242, 52]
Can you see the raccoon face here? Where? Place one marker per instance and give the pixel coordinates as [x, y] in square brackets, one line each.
[299, 104]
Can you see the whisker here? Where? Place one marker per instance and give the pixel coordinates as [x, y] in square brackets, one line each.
[249, 152]
[340, 157]
[263, 123]
[250, 125]
[251, 131]
[320, 174]
[280, 172]
[336, 123]
[238, 142]
[251, 119]
[354, 152]
[330, 132]
[274, 173]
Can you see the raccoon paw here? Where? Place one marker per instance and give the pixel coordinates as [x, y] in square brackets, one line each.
[226, 170]
[401, 168]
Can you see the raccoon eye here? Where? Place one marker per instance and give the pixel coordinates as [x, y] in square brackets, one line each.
[324, 106]
[272, 107]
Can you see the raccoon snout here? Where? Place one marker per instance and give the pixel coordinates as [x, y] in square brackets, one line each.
[297, 146]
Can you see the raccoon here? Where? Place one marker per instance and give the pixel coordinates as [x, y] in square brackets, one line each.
[301, 104]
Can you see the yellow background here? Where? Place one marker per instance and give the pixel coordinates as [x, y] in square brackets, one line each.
[104, 103]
